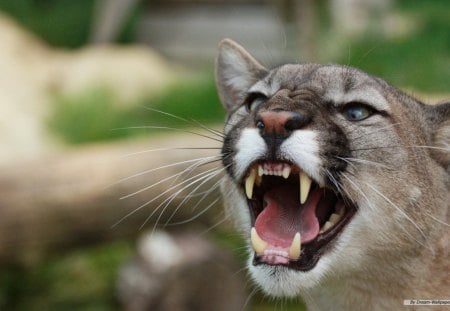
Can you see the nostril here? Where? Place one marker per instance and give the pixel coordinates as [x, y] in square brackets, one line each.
[296, 122]
[260, 124]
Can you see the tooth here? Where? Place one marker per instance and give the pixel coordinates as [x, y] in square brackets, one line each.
[259, 245]
[260, 170]
[258, 180]
[341, 210]
[249, 183]
[327, 226]
[334, 218]
[286, 172]
[305, 185]
[296, 247]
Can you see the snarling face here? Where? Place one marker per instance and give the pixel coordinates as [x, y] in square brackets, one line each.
[323, 170]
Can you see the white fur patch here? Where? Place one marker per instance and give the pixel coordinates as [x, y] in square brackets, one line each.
[236, 70]
[284, 282]
[250, 147]
[302, 148]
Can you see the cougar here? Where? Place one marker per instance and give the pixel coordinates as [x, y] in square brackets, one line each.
[338, 181]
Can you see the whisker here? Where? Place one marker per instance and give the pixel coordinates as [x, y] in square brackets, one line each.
[195, 216]
[333, 180]
[191, 121]
[224, 218]
[168, 200]
[359, 190]
[401, 146]
[172, 196]
[402, 212]
[161, 194]
[363, 161]
[249, 298]
[211, 130]
[164, 166]
[188, 197]
[377, 147]
[436, 219]
[193, 168]
[167, 128]
[206, 193]
[170, 149]
[186, 171]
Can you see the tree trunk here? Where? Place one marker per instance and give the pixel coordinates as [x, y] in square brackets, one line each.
[73, 198]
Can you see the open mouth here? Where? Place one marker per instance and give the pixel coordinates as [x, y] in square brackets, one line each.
[294, 220]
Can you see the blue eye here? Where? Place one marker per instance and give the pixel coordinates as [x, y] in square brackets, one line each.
[254, 100]
[357, 112]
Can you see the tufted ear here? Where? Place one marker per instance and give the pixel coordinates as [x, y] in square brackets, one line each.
[439, 120]
[236, 72]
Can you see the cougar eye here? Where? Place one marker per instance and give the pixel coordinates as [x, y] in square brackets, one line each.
[357, 111]
[254, 100]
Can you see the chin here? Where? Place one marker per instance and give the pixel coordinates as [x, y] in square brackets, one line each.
[283, 281]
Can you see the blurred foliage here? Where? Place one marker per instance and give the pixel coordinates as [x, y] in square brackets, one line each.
[95, 115]
[64, 23]
[420, 60]
[79, 280]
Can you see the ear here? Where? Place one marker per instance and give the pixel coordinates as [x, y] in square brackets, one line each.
[439, 119]
[236, 72]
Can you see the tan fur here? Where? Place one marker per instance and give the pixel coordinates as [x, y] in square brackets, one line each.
[397, 245]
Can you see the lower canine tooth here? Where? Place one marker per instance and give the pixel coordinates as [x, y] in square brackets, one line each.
[296, 247]
[259, 245]
[249, 183]
[334, 218]
[327, 226]
[305, 186]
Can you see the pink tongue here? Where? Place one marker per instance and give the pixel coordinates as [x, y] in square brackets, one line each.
[284, 216]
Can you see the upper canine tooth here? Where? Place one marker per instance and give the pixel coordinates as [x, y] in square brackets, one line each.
[286, 172]
[296, 247]
[259, 245]
[305, 186]
[249, 183]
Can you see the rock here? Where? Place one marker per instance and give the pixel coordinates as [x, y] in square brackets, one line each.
[180, 271]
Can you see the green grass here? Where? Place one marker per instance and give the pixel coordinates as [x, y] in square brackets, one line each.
[79, 280]
[95, 115]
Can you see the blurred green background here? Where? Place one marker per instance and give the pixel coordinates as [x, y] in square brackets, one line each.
[417, 59]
